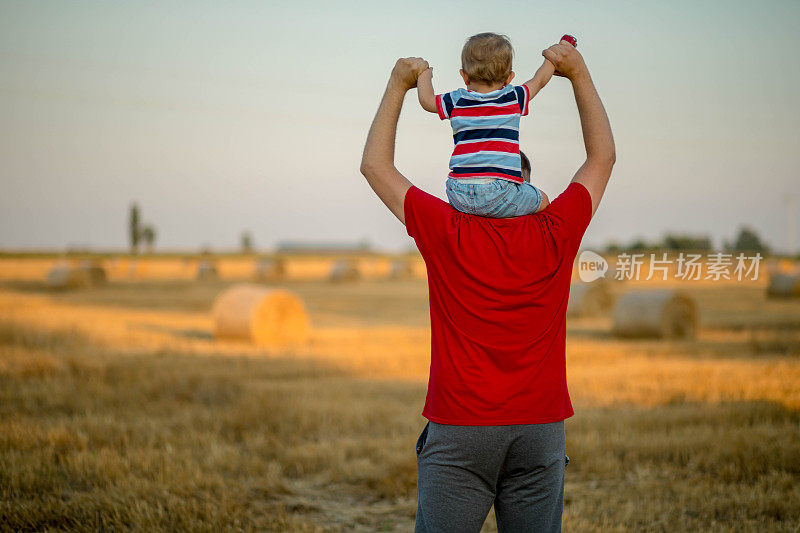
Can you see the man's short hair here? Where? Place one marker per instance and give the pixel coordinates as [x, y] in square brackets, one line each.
[526, 166]
[487, 58]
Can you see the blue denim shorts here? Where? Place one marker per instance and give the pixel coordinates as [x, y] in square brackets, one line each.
[497, 199]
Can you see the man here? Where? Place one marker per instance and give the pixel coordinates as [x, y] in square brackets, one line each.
[498, 288]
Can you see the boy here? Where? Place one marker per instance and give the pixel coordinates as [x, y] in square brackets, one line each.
[485, 167]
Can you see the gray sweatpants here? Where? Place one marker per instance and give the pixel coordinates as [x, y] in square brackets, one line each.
[463, 470]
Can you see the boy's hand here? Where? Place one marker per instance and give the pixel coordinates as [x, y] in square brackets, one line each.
[566, 58]
[425, 75]
[427, 98]
[407, 70]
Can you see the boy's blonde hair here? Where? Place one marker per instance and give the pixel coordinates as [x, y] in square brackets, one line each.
[487, 57]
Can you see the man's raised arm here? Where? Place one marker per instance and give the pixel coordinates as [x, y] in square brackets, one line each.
[377, 163]
[597, 137]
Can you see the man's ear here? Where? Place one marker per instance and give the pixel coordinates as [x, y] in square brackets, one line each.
[510, 77]
[464, 75]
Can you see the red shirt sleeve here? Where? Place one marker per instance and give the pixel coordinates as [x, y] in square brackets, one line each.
[426, 217]
[569, 215]
[440, 109]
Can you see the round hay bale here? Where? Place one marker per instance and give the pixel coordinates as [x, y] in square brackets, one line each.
[659, 313]
[66, 276]
[95, 271]
[207, 270]
[262, 315]
[589, 299]
[344, 270]
[784, 285]
[786, 266]
[271, 269]
[401, 269]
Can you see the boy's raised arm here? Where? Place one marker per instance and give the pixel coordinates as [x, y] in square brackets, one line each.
[540, 79]
[545, 72]
[427, 98]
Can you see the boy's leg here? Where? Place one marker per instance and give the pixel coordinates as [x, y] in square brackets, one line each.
[513, 200]
[491, 199]
[457, 472]
[460, 196]
[545, 201]
[498, 199]
[526, 201]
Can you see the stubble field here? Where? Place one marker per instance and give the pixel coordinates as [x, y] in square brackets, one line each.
[119, 410]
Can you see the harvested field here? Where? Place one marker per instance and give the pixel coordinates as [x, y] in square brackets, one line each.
[121, 410]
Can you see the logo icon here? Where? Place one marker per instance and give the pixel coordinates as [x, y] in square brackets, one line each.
[591, 266]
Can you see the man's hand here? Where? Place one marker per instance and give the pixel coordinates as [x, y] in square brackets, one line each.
[567, 60]
[407, 70]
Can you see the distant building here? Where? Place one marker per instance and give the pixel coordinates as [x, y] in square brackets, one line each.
[306, 247]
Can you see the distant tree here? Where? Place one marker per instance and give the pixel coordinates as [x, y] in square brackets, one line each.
[639, 245]
[747, 241]
[134, 231]
[686, 242]
[149, 237]
[247, 242]
[613, 247]
[703, 243]
[673, 242]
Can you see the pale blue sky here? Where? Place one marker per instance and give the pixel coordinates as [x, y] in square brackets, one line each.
[219, 117]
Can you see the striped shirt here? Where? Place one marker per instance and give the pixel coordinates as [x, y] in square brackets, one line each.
[485, 131]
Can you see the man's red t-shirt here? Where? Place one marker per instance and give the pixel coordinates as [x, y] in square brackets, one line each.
[498, 301]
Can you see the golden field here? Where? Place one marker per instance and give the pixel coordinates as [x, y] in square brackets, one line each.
[121, 411]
